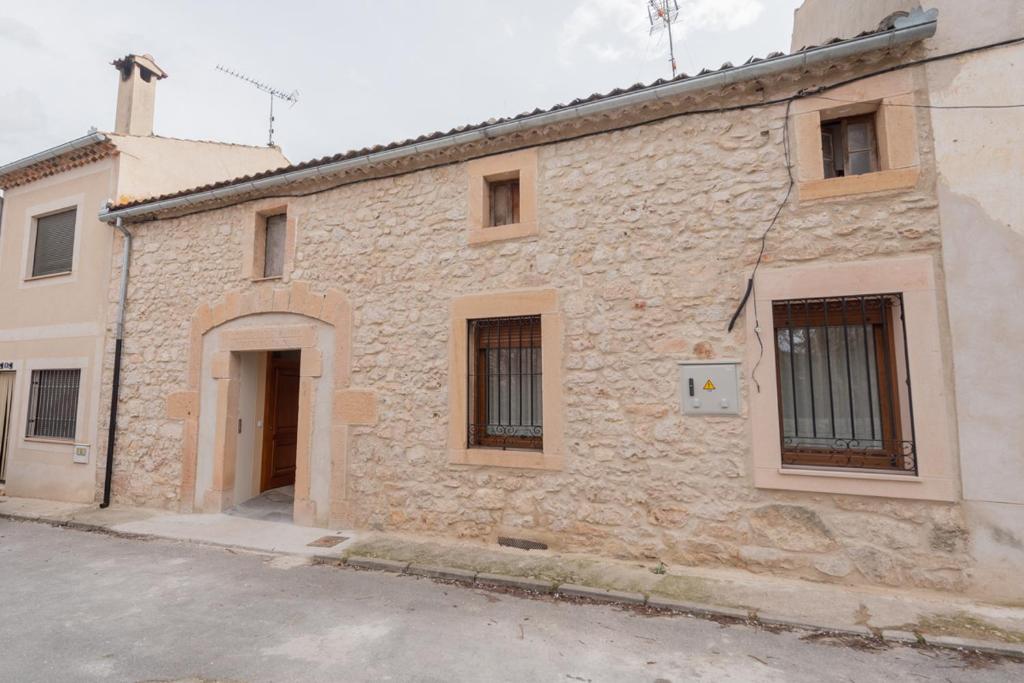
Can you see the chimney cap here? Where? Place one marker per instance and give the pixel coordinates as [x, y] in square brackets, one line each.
[147, 67]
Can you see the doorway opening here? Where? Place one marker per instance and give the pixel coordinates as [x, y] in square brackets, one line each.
[6, 399]
[270, 403]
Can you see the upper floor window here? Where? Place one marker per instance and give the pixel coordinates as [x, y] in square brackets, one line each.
[53, 404]
[273, 245]
[54, 243]
[844, 390]
[848, 146]
[503, 201]
[505, 376]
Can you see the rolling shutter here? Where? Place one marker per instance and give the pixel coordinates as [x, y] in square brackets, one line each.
[55, 243]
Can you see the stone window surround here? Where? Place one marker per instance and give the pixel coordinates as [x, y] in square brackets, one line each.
[895, 132]
[253, 240]
[76, 202]
[352, 406]
[502, 166]
[913, 276]
[542, 302]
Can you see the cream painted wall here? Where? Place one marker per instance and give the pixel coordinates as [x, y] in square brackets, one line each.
[55, 322]
[979, 160]
[152, 166]
[61, 321]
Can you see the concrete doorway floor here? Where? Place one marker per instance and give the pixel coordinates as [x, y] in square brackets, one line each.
[275, 505]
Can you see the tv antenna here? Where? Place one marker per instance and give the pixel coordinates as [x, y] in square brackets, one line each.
[292, 98]
[662, 14]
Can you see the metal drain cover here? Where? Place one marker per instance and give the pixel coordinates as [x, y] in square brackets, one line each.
[327, 541]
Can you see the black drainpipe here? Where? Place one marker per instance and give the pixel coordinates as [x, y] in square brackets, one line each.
[115, 391]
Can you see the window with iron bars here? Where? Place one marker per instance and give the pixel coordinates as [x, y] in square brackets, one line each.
[844, 383]
[505, 401]
[53, 404]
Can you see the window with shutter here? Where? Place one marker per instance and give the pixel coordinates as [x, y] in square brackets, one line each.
[53, 404]
[273, 245]
[54, 243]
[503, 200]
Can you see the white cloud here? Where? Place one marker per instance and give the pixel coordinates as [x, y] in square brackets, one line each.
[614, 30]
[15, 32]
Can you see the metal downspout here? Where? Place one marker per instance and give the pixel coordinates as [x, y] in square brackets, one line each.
[126, 258]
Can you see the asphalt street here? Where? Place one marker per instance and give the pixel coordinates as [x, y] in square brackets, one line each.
[81, 606]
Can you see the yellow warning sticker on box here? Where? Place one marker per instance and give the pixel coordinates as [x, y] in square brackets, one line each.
[709, 385]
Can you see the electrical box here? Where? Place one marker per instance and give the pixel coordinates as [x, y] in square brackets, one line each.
[81, 455]
[710, 388]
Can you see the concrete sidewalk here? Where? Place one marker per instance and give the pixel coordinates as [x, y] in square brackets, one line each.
[906, 615]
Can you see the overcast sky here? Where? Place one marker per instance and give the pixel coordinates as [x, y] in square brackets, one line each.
[367, 71]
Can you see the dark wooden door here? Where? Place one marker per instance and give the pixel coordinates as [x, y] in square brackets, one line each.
[281, 419]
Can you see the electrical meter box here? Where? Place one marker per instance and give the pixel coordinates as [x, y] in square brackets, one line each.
[710, 388]
[81, 454]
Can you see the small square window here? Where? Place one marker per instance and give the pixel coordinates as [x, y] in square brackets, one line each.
[503, 201]
[505, 383]
[53, 404]
[273, 245]
[848, 146]
[54, 245]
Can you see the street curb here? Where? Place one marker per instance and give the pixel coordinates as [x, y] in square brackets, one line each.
[769, 619]
[899, 636]
[446, 573]
[521, 582]
[992, 647]
[377, 564]
[698, 609]
[601, 595]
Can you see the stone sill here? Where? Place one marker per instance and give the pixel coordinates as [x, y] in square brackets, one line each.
[502, 232]
[493, 457]
[879, 181]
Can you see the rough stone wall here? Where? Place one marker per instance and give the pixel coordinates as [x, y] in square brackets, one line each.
[648, 234]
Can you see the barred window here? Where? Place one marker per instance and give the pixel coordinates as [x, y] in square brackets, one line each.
[844, 390]
[273, 245]
[53, 404]
[505, 401]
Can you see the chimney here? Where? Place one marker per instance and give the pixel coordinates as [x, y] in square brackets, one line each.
[136, 93]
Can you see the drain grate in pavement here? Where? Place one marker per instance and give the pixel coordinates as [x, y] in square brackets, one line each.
[327, 541]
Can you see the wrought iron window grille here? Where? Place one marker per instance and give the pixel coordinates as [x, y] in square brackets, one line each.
[505, 383]
[53, 404]
[845, 397]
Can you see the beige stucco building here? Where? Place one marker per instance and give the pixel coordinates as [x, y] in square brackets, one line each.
[727, 320]
[55, 266]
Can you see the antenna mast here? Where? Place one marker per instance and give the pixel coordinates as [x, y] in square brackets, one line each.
[662, 14]
[292, 97]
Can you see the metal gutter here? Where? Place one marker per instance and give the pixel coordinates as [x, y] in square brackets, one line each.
[53, 152]
[918, 25]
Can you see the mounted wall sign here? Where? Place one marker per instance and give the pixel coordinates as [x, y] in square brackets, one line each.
[6, 364]
[709, 387]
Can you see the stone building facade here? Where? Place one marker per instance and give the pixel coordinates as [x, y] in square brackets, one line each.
[638, 227]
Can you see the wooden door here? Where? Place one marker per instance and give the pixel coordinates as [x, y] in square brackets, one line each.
[281, 419]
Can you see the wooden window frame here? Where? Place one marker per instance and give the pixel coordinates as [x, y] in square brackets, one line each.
[843, 148]
[497, 184]
[879, 315]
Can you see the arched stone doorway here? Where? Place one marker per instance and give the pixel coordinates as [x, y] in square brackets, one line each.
[265, 319]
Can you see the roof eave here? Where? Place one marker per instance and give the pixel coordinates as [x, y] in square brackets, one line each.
[52, 153]
[919, 25]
